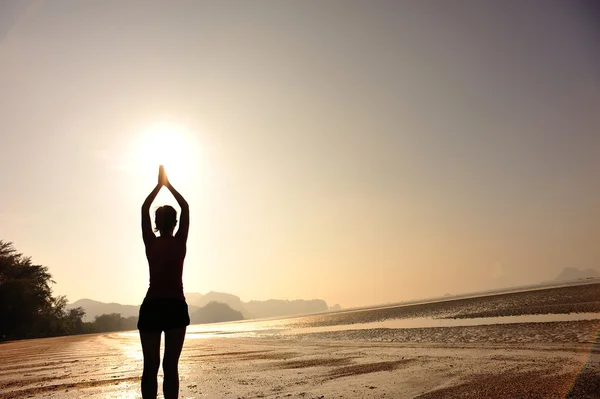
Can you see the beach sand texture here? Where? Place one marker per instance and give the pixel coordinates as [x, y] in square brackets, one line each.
[531, 360]
[313, 366]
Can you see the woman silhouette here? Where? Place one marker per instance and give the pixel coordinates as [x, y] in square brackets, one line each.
[164, 307]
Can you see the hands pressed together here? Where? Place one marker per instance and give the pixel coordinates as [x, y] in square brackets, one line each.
[163, 180]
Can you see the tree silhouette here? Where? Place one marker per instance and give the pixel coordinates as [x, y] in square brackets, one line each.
[113, 322]
[27, 307]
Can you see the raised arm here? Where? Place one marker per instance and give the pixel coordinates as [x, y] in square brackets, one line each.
[184, 219]
[147, 232]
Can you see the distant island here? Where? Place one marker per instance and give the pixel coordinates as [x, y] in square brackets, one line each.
[215, 312]
[197, 301]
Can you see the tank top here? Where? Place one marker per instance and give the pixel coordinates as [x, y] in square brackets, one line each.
[165, 260]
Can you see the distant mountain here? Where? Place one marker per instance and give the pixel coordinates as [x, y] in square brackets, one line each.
[94, 308]
[259, 309]
[571, 273]
[249, 310]
[234, 302]
[215, 312]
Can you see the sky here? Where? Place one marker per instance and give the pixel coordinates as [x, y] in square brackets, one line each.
[359, 152]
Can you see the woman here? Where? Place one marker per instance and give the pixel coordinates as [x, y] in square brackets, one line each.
[164, 307]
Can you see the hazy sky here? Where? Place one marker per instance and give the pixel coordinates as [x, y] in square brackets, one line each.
[360, 152]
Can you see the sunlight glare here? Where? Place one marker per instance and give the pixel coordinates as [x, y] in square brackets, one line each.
[168, 144]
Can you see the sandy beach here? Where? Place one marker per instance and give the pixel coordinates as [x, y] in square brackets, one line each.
[540, 360]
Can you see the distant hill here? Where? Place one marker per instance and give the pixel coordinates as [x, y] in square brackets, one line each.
[94, 308]
[234, 302]
[571, 273]
[215, 312]
[249, 310]
[259, 309]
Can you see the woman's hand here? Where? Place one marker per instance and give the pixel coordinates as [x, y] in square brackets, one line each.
[162, 177]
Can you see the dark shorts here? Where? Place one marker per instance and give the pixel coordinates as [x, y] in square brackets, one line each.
[163, 315]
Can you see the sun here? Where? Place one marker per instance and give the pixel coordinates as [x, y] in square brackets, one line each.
[169, 144]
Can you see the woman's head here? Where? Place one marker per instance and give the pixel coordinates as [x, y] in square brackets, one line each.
[165, 219]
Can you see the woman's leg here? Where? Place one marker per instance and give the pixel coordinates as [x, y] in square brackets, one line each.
[173, 344]
[151, 350]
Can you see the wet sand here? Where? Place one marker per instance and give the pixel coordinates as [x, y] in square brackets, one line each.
[541, 360]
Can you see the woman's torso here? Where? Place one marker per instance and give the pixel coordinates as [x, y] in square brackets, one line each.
[165, 260]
